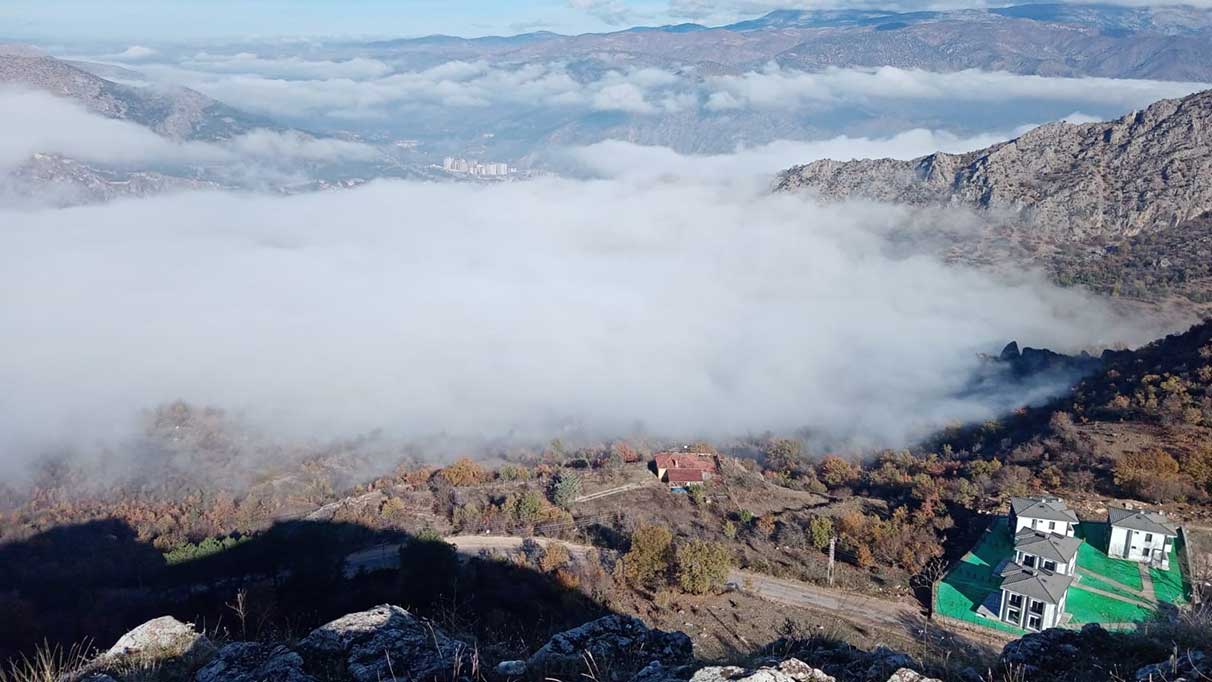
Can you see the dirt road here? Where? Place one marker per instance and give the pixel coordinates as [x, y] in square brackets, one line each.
[852, 607]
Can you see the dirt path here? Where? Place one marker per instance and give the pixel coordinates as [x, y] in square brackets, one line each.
[852, 607]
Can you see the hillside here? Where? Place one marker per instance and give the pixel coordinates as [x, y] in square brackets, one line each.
[1119, 206]
[178, 113]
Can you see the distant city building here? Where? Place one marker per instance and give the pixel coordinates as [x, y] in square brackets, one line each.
[477, 168]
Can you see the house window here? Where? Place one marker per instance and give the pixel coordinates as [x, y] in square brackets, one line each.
[1016, 600]
[1051, 525]
[1148, 538]
[1015, 616]
[1034, 523]
[1050, 565]
[1028, 561]
[1037, 607]
[1034, 622]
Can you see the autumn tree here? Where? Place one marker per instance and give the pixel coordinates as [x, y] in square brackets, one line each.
[565, 489]
[463, 472]
[647, 561]
[702, 566]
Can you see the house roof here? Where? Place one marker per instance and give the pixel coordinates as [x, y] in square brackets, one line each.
[1050, 546]
[1046, 508]
[1036, 583]
[685, 460]
[1139, 519]
[686, 475]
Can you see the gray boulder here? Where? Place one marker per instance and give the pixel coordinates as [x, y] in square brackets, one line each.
[253, 662]
[164, 637]
[511, 668]
[609, 642]
[388, 642]
[1190, 666]
[790, 670]
[907, 675]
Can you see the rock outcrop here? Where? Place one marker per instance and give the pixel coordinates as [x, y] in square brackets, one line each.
[611, 639]
[1144, 172]
[388, 642]
[253, 662]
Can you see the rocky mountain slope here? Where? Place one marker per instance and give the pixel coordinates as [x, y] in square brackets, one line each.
[1145, 172]
[178, 113]
[1167, 43]
[389, 643]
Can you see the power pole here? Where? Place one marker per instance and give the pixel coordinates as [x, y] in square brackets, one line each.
[832, 548]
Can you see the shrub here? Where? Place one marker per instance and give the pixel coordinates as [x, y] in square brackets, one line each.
[463, 472]
[821, 529]
[702, 566]
[647, 562]
[565, 489]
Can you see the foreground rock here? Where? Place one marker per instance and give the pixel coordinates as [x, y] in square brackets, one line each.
[608, 643]
[387, 643]
[164, 636]
[252, 662]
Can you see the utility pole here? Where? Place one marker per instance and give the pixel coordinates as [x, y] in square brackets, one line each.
[832, 549]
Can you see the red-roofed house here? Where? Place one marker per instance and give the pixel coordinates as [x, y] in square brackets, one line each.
[683, 469]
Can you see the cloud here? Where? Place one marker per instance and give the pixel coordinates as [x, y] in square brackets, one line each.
[610, 12]
[295, 68]
[776, 88]
[135, 53]
[684, 307]
[620, 159]
[38, 123]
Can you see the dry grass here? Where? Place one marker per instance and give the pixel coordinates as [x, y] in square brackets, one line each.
[48, 663]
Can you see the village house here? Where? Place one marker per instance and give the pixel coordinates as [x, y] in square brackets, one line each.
[1045, 514]
[1033, 598]
[680, 470]
[1139, 535]
[1049, 551]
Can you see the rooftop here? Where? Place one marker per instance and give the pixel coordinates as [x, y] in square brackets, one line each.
[685, 460]
[1144, 521]
[1050, 546]
[1036, 583]
[1046, 508]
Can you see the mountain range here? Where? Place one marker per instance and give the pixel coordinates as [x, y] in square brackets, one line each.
[1082, 199]
[1168, 43]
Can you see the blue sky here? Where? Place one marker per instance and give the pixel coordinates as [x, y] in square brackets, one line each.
[167, 20]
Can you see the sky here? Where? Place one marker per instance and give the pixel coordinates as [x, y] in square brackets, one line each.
[170, 20]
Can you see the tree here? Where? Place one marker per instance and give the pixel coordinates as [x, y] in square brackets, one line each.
[698, 495]
[821, 529]
[784, 455]
[565, 489]
[527, 507]
[702, 566]
[464, 472]
[647, 562]
[837, 472]
[554, 557]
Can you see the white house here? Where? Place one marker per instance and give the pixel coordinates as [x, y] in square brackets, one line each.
[1032, 598]
[1139, 535]
[1045, 514]
[1049, 551]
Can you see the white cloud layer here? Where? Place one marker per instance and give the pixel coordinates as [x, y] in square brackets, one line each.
[366, 89]
[36, 122]
[688, 306]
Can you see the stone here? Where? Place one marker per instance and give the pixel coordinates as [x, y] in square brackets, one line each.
[1190, 666]
[607, 640]
[164, 635]
[907, 675]
[253, 662]
[388, 642]
[511, 668]
[790, 670]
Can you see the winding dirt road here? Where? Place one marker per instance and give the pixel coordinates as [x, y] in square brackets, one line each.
[852, 607]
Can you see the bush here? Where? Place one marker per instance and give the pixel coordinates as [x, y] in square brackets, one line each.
[821, 529]
[647, 562]
[702, 566]
[463, 472]
[565, 489]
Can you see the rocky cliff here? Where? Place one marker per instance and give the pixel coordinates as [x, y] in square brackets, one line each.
[389, 643]
[1145, 172]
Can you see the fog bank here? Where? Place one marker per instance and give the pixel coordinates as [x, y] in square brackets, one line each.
[684, 307]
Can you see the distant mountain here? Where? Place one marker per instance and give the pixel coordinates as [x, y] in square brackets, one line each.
[1166, 43]
[1145, 172]
[1122, 207]
[178, 113]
